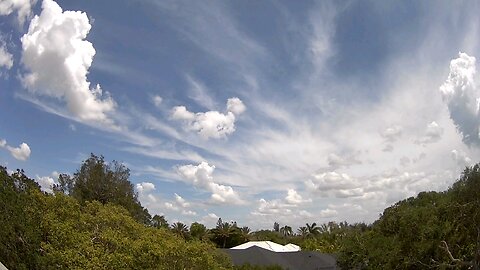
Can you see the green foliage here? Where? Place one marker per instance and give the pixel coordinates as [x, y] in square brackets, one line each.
[199, 231]
[94, 221]
[97, 236]
[19, 235]
[97, 180]
[225, 235]
[432, 230]
[181, 230]
[286, 231]
[159, 222]
[56, 231]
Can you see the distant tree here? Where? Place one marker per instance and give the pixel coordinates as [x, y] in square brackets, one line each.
[65, 184]
[180, 229]
[97, 180]
[313, 229]
[198, 231]
[223, 231]
[159, 222]
[245, 233]
[302, 231]
[286, 231]
[276, 227]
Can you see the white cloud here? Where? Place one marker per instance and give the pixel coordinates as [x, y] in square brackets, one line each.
[388, 148]
[22, 152]
[181, 201]
[145, 187]
[189, 213]
[145, 195]
[57, 58]
[339, 185]
[201, 176]
[46, 183]
[6, 58]
[180, 205]
[461, 93]
[404, 161]
[22, 7]
[323, 23]
[272, 208]
[157, 100]
[305, 214]
[335, 161]
[209, 220]
[212, 216]
[294, 198]
[181, 113]
[211, 124]
[284, 209]
[393, 133]
[328, 213]
[235, 105]
[433, 133]
[461, 158]
[171, 206]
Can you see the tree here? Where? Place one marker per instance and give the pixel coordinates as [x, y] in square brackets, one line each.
[159, 222]
[276, 227]
[198, 231]
[245, 233]
[180, 229]
[20, 235]
[98, 236]
[312, 229]
[223, 231]
[286, 231]
[302, 231]
[107, 183]
[65, 184]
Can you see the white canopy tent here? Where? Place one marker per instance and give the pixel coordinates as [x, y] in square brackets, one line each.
[269, 246]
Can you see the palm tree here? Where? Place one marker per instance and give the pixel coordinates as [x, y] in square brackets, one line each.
[245, 233]
[159, 222]
[302, 231]
[180, 229]
[223, 231]
[286, 231]
[313, 230]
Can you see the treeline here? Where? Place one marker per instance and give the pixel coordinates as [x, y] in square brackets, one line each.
[93, 220]
[434, 230]
[439, 230]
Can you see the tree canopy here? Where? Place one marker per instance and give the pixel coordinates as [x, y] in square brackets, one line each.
[93, 220]
[104, 182]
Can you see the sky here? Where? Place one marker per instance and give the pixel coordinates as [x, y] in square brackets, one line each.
[253, 111]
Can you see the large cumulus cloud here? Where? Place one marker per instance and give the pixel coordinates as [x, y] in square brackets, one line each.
[461, 93]
[57, 59]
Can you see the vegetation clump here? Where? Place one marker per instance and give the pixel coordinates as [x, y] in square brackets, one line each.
[93, 220]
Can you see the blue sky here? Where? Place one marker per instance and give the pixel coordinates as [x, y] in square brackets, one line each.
[254, 111]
